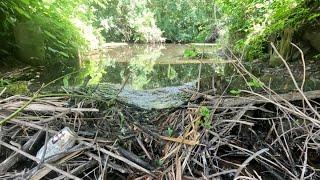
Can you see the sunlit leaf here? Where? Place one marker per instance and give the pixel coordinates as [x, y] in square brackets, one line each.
[64, 54]
[22, 12]
[52, 50]
[25, 2]
[49, 34]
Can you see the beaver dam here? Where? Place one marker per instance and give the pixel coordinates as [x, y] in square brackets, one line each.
[129, 113]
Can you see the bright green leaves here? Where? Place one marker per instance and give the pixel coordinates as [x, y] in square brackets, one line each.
[22, 12]
[190, 53]
[55, 18]
[255, 83]
[251, 23]
[151, 20]
[206, 117]
[58, 52]
[27, 2]
[235, 92]
[50, 35]
[101, 4]
[182, 21]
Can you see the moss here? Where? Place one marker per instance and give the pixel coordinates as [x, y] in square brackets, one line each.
[19, 87]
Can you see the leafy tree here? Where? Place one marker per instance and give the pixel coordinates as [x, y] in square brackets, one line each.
[63, 25]
[252, 24]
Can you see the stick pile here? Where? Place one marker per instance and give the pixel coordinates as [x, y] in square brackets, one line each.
[253, 140]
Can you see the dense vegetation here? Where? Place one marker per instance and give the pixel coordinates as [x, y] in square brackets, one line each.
[253, 24]
[67, 27]
[63, 27]
[57, 20]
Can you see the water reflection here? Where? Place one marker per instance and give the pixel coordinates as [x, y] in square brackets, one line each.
[146, 67]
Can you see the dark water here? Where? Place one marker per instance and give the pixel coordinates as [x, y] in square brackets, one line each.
[152, 76]
[149, 66]
[143, 67]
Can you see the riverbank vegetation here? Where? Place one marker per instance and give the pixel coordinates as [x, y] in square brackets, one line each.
[245, 26]
[238, 100]
[252, 25]
[61, 29]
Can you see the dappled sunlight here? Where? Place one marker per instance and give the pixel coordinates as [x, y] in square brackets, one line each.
[88, 32]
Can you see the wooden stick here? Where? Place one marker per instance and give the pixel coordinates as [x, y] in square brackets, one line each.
[38, 160]
[16, 157]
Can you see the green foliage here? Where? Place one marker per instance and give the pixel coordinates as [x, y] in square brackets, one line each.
[62, 22]
[184, 20]
[316, 57]
[70, 26]
[65, 81]
[171, 74]
[169, 131]
[4, 82]
[206, 114]
[255, 83]
[235, 92]
[190, 53]
[13, 85]
[18, 87]
[128, 21]
[151, 20]
[252, 23]
[159, 162]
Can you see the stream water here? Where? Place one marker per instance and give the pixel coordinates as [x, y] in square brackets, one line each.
[149, 66]
[151, 76]
[154, 76]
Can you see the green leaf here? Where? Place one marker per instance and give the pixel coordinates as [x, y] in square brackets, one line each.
[4, 51]
[204, 111]
[255, 83]
[169, 131]
[27, 2]
[235, 92]
[171, 72]
[190, 53]
[66, 82]
[22, 12]
[100, 4]
[52, 50]
[49, 34]
[63, 54]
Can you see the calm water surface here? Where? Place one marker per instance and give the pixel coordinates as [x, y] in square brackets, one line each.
[150, 66]
[143, 67]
